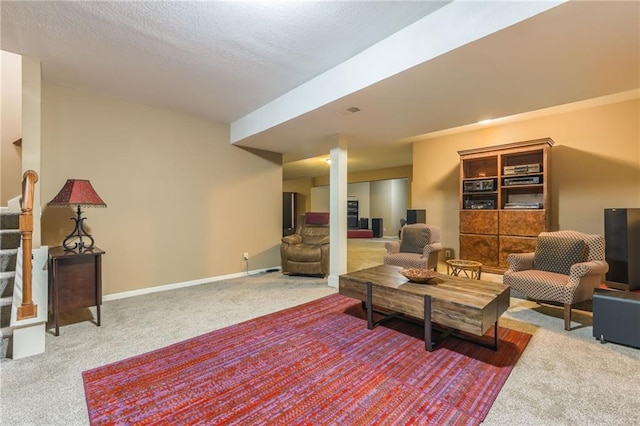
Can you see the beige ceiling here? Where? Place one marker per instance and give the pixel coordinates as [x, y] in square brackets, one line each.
[223, 60]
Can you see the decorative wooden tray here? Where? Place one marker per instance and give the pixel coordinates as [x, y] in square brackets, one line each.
[417, 275]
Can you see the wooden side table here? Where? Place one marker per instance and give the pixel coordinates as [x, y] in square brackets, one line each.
[470, 269]
[75, 281]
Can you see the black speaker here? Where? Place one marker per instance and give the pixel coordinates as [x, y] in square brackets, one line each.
[416, 216]
[364, 223]
[289, 206]
[376, 227]
[622, 246]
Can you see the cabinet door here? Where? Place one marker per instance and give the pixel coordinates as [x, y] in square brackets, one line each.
[525, 223]
[481, 248]
[514, 245]
[76, 282]
[479, 222]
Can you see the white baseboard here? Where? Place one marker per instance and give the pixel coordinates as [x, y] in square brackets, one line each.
[184, 284]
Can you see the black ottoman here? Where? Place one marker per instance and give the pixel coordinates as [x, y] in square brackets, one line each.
[616, 317]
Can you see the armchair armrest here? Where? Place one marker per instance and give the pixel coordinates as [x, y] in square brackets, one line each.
[595, 267]
[292, 239]
[520, 261]
[325, 240]
[431, 248]
[392, 247]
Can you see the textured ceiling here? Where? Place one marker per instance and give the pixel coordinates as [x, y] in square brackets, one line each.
[224, 60]
[216, 59]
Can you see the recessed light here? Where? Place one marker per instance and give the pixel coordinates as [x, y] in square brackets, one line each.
[486, 121]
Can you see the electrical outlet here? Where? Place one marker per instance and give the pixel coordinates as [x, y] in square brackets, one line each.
[245, 256]
[447, 254]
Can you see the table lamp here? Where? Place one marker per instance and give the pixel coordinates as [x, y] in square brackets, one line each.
[77, 192]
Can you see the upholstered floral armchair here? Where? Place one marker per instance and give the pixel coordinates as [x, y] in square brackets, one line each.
[307, 251]
[418, 247]
[565, 269]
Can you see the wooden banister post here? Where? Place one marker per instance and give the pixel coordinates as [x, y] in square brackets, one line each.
[27, 309]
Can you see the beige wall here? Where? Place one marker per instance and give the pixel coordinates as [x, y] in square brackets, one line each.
[11, 128]
[303, 187]
[595, 164]
[183, 204]
[371, 175]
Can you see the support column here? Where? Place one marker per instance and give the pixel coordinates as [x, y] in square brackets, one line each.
[29, 335]
[31, 132]
[338, 211]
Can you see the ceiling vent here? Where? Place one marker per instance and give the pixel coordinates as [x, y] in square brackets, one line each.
[349, 111]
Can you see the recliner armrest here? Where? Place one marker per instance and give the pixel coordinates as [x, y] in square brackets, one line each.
[595, 267]
[520, 261]
[392, 247]
[292, 239]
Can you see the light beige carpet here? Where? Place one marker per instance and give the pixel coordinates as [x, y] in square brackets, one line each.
[563, 377]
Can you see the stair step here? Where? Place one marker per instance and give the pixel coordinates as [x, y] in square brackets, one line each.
[5, 311]
[9, 243]
[9, 220]
[5, 342]
[7, 280]
[9, 238]
[8, 259]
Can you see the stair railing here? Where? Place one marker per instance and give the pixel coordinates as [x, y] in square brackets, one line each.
[27, 309]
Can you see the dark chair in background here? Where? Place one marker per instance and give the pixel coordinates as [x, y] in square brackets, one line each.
[403, 222]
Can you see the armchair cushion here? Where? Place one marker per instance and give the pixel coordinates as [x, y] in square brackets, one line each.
[317, 218]
[315, 240]
[557, 254]
[414, 239]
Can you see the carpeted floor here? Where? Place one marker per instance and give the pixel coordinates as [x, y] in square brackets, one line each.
[312, 364]
[562, 378]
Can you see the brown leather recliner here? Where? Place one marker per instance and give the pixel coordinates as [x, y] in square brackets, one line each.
[307, 251]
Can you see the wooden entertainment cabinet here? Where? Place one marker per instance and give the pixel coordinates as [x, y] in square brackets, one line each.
[504, 200]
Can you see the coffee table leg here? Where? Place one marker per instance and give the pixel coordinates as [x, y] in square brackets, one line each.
[370, 324]
[428, 343]
[495, 336]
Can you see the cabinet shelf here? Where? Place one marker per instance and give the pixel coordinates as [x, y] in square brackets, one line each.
[482, 177]
[480, 193]
[528, 185]
[352, 214]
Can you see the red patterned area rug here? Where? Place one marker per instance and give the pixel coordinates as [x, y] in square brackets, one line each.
[314, 364]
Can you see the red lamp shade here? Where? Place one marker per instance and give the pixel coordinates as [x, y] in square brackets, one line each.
[77, 192]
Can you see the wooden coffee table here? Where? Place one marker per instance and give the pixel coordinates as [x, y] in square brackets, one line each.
[456, 303]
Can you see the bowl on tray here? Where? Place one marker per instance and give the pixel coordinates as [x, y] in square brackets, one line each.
[418, 275]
